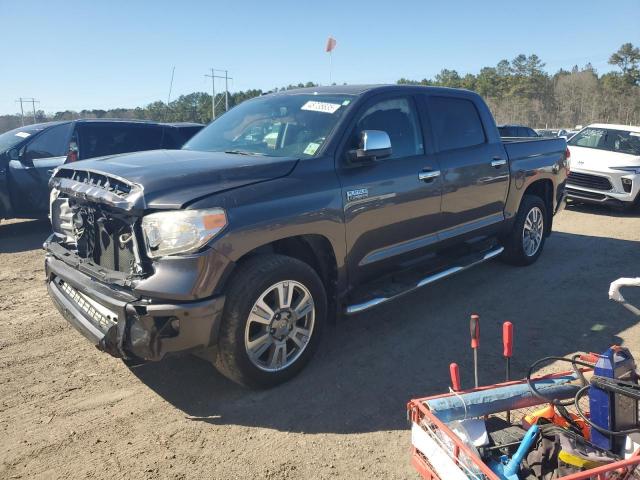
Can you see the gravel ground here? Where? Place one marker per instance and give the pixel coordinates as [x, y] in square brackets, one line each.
[69, 411]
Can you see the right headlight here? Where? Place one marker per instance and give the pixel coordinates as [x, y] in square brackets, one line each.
[181, 231]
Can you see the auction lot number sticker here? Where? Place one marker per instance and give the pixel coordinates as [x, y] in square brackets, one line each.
[324, 107]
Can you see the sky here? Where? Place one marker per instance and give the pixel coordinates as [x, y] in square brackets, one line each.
[72, 54]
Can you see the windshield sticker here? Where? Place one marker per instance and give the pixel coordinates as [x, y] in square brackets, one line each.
[311, 148]
[23, 134]
[634, 134]
[324, 107]
[346, 102]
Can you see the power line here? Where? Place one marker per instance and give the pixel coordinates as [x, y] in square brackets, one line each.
[213, 77]
[33, 102]
[169, 96]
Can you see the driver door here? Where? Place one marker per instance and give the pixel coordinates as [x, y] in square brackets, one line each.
[391, 205]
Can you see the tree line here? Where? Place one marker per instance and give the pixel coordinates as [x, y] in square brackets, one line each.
[517, 91]
[521, 91]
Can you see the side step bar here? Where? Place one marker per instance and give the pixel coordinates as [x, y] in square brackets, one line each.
[360, 307]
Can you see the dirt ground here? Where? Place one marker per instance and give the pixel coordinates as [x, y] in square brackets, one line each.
[69, 411]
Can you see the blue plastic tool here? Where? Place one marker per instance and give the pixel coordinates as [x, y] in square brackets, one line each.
[507, 469]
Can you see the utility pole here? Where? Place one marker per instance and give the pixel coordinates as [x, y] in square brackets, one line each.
[213, 77]
[21, 111]
[33, 105]
[226, 91]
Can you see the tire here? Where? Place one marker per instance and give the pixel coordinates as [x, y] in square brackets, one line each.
[262, 281]
[517, 250]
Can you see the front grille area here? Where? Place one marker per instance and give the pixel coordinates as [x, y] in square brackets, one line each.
[589, 181]
[585, 194]
[110, 184]
[98, 314]
[107, 241]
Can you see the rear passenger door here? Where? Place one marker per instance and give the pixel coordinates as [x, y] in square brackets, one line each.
[475, 172]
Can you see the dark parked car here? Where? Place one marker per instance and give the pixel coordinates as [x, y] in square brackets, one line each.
[28, 155]
[517, 131]
[288, 210]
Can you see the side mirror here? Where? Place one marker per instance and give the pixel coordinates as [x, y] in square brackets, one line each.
[374, 145]
[13, 154]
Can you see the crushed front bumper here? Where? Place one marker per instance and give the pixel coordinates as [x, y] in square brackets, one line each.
[126, 326]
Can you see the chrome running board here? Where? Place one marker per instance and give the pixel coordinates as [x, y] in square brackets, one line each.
[360, 307]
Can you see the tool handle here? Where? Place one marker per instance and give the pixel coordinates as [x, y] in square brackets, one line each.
[513, 466]
[454, 372]
[474, 326]
[507, 339]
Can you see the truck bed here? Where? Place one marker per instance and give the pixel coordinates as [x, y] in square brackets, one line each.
[520, 148]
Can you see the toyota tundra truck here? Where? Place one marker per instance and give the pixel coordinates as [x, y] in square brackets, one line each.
[288, 212]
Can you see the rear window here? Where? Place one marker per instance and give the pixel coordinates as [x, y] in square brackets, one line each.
[508, 131]
[620, 141]
[109, 139]
[456, 123]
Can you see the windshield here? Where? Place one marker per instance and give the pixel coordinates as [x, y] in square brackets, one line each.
[13, 137]
[292, 125]
[619, 141]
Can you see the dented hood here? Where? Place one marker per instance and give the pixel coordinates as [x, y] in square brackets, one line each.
[173, 178]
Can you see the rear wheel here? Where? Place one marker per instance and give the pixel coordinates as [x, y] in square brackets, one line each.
[525, 242]
[274, 315]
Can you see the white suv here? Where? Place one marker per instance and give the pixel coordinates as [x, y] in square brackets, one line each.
[605, 165]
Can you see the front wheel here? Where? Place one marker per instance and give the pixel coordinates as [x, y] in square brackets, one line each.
[525, 242]
[273, 319]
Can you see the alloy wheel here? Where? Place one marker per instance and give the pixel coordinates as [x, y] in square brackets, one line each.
[279, 326]
[533, 232]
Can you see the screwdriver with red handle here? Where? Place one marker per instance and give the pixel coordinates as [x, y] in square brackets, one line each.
[507, 352]
[474, 325]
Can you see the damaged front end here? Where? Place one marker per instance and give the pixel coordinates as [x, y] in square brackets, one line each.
[99, 241]
[95, 260]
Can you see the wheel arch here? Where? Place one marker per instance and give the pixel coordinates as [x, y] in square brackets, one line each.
[543, 188]
[313, 249]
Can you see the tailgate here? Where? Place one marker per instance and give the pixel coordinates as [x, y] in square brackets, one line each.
[520, 149]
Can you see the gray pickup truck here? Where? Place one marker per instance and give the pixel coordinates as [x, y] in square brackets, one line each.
[287, 212]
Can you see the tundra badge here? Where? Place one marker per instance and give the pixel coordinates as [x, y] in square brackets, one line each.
[358, 194]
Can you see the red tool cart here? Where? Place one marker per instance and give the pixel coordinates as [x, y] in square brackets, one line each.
[438, 454]
[443, 448]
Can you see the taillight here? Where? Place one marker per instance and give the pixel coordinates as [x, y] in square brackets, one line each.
[71, 157]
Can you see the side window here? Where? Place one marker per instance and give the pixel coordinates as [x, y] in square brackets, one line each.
[50, 143]
[98, 140]
[456, 123]
[398, 118]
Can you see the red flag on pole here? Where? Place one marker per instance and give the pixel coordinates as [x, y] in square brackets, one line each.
[331, 44]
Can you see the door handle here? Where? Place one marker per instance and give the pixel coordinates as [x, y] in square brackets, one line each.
[428, 175]
[498, 162]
